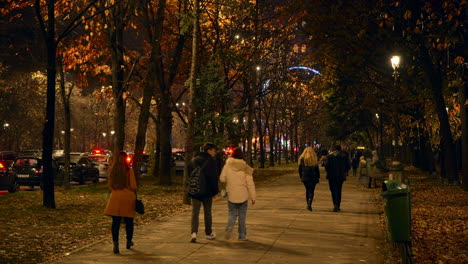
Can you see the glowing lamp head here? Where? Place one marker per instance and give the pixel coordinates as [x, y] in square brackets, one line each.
[395, 60]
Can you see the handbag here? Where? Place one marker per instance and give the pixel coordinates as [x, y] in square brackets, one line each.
[139, 206]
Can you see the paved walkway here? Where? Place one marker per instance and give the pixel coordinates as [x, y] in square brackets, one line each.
[279, 228]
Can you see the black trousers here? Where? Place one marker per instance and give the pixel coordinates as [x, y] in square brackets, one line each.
[116, 220]
[196, 205]
[336, 188]
[310, 189]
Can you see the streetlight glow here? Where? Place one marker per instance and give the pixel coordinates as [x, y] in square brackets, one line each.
[258, 68]
[395, 62]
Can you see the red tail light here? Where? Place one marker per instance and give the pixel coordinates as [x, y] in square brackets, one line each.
[97, 151]
[129, 159]
[38, 170]
[2, 167]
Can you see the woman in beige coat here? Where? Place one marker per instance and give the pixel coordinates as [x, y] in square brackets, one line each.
[122, 185]
[240, 188]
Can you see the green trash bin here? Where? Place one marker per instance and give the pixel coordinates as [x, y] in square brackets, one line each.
[397, 210]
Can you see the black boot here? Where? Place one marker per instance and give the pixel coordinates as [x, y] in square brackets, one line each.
[309, 205]
[129, 244]
[116, 247]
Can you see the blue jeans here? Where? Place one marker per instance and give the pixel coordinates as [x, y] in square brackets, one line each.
[237, 210]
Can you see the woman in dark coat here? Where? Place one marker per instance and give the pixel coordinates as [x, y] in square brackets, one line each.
[309, 173]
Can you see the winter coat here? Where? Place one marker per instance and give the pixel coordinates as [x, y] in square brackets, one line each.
[238, 176]
[122, 201]
[362, 169]
[211, 172]
[337, 166]
[309, 173]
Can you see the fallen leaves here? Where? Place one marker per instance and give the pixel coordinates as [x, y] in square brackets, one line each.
[439, 220]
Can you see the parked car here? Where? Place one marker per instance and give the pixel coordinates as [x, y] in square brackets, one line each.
[29, 171]
[8, 157]
[82, 168]
[102, 163]
[8, 178]
[30, 152]
[178, 161]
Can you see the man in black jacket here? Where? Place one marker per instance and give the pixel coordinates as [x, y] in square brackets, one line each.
[211, 173]
[337, 166]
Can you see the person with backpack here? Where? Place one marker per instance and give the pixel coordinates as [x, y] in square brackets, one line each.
[203, 186]
[240, 187]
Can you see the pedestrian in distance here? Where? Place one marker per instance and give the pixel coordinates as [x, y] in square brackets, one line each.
[209, 170]
[309, 173]
[362, 168]
[240, 187]
[337, 166]
[355, 162]
[371, 169]
[121, 203]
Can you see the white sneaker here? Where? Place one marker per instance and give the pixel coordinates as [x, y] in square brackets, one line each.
[193, 238]
[211, 237]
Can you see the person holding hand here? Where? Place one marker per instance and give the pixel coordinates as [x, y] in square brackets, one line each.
[240, 187]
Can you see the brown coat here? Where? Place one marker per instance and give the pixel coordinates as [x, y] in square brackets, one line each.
[122, 202]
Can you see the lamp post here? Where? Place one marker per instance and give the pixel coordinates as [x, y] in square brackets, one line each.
[6, 126]
[395, 61]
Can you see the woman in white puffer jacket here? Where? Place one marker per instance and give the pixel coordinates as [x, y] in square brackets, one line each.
[240, 187]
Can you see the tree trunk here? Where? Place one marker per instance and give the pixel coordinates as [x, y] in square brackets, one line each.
[154, 70]
[49, 125]
[116, 29]
[192, 107]
[260, 135]
[464, 124]
[250, 122]
[450, 161]
[67, 114]
[165, 139]
[157, 151]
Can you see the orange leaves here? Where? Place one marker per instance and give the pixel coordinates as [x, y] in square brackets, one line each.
[459, 60]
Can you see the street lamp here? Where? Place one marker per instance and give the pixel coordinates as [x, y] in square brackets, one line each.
[395, 61]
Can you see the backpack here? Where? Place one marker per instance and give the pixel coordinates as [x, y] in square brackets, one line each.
[197, 182]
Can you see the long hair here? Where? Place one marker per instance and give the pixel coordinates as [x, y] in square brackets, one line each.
[308, 157]
[118, 172]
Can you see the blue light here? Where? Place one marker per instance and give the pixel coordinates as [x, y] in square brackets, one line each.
[266, 84]
[304, 68]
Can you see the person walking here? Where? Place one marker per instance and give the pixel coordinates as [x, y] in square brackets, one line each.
[362, 168]
[121, 203]
[309, 173]
[337, 166]
[355, 162]
[240, 187]
[206, 161]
